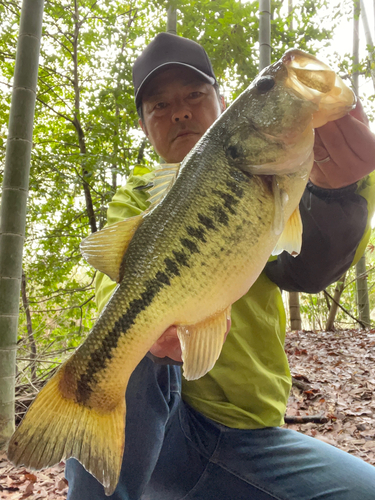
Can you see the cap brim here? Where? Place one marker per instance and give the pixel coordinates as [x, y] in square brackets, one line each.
[153, 73]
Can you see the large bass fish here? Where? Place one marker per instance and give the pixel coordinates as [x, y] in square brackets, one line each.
[213, 222]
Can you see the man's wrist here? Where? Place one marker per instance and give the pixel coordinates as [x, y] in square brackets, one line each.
[327, 194]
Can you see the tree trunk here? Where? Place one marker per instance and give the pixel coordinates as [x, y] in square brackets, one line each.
[14, 200]
[172, 20]
[290, 13]
[77, 123]
[264, 33]
[335, 303]
[294, 311]
[361, 282]
[362, 292]
[369, 42]
[356, 13]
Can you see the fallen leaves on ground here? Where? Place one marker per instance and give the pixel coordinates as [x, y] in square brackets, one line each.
[20, 483]
[339, 368]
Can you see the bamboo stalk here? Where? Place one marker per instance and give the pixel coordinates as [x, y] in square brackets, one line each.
[264, 33]
[14, 200]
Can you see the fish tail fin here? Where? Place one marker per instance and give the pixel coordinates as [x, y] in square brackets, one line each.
[55, 428]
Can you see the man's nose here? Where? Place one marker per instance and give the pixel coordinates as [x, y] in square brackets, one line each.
[181, 113]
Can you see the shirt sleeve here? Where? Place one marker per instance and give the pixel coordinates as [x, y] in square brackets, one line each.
[336, 229]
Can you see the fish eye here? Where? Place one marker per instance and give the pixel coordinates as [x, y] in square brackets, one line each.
[265, 84]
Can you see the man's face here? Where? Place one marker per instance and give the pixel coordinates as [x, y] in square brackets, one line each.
[178, 108]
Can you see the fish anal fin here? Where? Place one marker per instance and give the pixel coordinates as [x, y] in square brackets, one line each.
[55, 428]
[165, 176]
[105, 249]
[201, 344]
[291, 237]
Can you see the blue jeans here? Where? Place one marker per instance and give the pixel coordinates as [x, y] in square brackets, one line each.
[172, 453]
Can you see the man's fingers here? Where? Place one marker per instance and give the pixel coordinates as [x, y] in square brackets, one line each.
[169, 345]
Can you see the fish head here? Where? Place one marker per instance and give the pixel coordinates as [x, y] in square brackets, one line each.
[274, 119]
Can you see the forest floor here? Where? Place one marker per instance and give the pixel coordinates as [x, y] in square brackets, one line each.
[338, 369]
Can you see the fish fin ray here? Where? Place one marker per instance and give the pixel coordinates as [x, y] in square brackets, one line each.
[165, 176]
[94, 438]
[291, 238]
[201, 344]
[105, 249]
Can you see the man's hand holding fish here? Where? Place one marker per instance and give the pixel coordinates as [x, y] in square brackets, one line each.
[187, 277]
[344, 150]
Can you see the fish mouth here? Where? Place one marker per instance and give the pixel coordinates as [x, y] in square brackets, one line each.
[316, 82]
[309, 71]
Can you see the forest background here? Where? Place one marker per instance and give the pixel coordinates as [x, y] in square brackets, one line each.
[87, 140]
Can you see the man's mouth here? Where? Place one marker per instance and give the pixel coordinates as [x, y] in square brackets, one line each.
[184, 133]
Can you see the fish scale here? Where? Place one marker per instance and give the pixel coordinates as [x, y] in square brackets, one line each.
[211, 227]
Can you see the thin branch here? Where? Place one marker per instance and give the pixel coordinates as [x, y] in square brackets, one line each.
[67, 308]
[54, 93]
[51, 70]
[54, 37]
[64, 292]
[345, 310]
[57, 112]
[304, 419]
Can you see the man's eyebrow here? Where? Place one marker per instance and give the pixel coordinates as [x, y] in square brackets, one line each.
[154, 93]
[157, 92]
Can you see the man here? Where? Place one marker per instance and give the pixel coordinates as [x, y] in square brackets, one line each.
[222, 439]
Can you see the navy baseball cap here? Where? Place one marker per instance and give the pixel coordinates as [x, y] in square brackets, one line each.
[166, 50]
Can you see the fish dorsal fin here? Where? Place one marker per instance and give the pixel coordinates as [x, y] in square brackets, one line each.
[201, 344]
[291, 238]
[165, 176]
[105, 249]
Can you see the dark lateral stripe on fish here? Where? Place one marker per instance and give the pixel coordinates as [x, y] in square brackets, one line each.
[235, 188]
[162, 278]
[181, 258]
[197, 232]
[100, 356]
[190, 245]
[206, 221]
[172, 267]
[220, 215]
[229, 200]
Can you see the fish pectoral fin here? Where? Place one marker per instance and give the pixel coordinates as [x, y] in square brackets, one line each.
[105, 249]
[291, 238]
[201, 344]
[55, 428]
[165, 176]
[280, 200]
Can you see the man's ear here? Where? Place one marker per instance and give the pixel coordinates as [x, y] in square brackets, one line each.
[143, 127]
